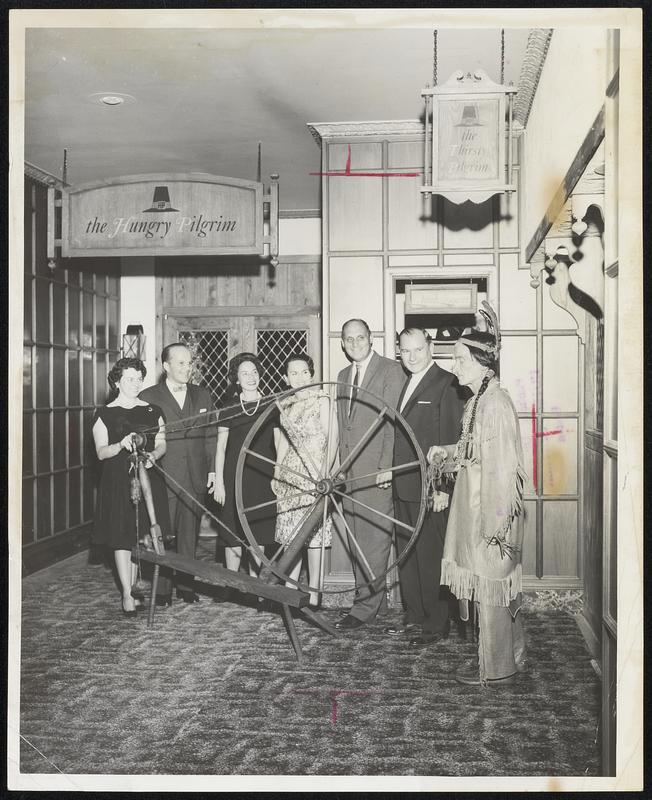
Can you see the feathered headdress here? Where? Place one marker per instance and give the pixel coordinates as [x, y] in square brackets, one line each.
[492, 327]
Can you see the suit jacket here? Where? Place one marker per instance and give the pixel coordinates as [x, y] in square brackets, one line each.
[190, 453]
[384, 377]
[434, 412]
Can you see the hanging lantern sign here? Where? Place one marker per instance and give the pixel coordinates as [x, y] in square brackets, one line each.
[466, 138]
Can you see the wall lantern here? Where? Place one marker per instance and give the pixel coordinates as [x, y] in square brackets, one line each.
[133, 342]
[466, 135]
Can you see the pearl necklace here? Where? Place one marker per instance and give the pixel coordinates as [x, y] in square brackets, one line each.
[244, 410]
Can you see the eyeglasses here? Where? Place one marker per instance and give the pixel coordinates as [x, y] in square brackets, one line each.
[356, 339]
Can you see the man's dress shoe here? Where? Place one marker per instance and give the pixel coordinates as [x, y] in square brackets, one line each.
[187, 597]
[164, 600]
[399, 630]
[343, 612]
[426, 638]
[348, 623]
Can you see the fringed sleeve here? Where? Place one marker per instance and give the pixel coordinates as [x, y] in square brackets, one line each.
[503, 478]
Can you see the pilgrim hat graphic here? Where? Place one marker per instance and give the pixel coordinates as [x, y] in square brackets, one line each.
[161, 200]
[470, 118]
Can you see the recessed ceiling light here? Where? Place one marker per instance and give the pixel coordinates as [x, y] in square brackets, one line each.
[111, 98]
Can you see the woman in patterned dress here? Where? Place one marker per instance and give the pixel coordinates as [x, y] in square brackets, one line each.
[302, 445]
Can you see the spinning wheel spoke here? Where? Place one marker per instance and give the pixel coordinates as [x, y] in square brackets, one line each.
[281, 466]
[363, 441]
[322, 549]
[375, 511]
[298, 526]
[365, 563]
[273, 502]
[297, 442]
[409, 465]
[330, 441]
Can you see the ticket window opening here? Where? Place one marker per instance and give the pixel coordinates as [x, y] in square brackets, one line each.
[443, 307]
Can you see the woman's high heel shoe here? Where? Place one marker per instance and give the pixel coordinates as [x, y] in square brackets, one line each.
[129, 613]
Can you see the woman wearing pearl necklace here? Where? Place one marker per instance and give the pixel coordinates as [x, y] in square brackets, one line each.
[241, 407]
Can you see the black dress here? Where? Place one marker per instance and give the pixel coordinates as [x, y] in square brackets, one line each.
[257, 475]
[115, 517]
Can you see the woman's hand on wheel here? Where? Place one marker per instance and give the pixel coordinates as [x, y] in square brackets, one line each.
[436, 454]
[439, 501]
[219, 492]
[127, 442]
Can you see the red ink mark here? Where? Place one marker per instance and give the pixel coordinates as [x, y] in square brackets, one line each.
[333, 695]
[536, 434]
[338, 173]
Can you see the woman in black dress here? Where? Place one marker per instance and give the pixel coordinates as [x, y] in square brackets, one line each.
[113, 427]
[241, 407]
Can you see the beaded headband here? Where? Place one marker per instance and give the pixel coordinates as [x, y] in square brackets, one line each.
[488, 348]
[492, 327]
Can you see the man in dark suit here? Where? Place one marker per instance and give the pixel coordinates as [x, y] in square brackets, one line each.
[190, 455]
[356, 411]
[432, 407]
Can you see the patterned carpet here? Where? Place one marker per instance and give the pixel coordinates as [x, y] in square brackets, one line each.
[215, 689]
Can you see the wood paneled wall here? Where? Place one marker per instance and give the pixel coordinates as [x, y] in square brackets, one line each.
[205, 283]
[71, 339]
[593, 474]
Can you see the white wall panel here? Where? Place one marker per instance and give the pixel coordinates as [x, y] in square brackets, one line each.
[518, 370]
[560, 373]
[356, 290]
[518, 300]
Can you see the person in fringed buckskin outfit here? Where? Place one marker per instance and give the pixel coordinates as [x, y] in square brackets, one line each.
[484, 537]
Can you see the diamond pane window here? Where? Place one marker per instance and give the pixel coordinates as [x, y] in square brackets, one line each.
[210, 359]
[273, 347]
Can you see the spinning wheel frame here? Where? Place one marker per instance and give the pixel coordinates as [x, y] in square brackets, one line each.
[329, 489]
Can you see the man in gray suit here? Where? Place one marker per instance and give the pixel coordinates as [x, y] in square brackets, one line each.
[189, 456]
[356, 412]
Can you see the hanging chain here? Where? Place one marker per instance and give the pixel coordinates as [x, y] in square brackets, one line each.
[434, 57]
[502, 56]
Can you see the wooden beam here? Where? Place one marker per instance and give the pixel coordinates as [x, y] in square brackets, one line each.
[220, 576]
[241, 311]
[575, 171]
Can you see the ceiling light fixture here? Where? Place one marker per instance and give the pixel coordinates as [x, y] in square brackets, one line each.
[111, 98]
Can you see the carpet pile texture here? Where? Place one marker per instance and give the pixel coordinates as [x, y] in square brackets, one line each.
[216, 689]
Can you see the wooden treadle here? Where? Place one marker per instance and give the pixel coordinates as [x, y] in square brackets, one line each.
[220, 576]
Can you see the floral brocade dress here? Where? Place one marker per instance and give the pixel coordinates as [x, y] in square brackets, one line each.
[300, 421]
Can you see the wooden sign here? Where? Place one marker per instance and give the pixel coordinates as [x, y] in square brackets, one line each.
[466, 154]
[444, 298]
[160, 215]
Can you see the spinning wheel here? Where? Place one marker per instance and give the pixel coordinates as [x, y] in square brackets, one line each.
[322, 487]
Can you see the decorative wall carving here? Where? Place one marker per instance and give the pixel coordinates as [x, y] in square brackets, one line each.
[535, 56]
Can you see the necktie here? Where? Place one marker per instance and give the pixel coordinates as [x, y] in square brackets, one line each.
[180, 388]
[354, 391]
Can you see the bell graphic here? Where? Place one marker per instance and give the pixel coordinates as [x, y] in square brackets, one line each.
[160, 201]
[469, 118]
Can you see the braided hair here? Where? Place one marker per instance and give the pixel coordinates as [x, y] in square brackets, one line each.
[488, 359]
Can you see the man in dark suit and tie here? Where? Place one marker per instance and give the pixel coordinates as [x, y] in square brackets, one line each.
[189, 456]
[356, 412]
[432, 407]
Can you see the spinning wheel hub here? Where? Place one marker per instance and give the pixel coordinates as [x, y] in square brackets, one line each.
[324, 486]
